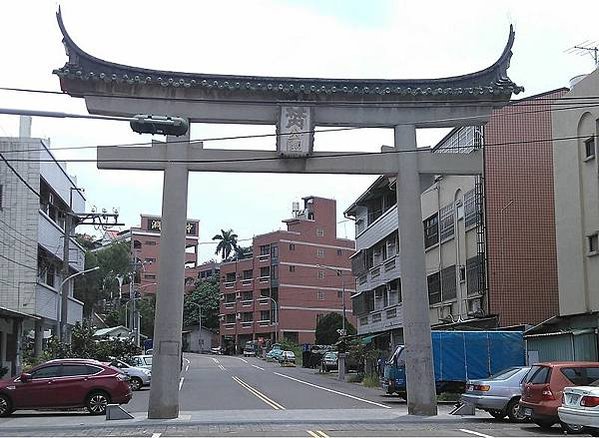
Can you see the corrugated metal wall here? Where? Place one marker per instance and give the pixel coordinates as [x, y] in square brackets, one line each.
[565, 347]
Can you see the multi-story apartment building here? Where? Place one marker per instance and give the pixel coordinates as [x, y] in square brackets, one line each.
[293, 278]
[489, 241]
[145, 252]
[573, 334]
[35, 196]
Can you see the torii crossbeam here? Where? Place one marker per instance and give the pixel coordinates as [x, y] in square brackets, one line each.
[295, 106]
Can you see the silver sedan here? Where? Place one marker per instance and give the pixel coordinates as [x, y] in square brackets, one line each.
[499, 394]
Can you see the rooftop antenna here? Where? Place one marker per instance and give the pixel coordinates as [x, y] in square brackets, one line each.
[586, 48]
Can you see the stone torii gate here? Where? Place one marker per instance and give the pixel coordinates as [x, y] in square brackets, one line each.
[295, 106]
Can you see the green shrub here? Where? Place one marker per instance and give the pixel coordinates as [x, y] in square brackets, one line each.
[356, 378]
[371, 381]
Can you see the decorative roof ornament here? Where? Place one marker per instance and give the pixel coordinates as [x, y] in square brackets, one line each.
[489, 83]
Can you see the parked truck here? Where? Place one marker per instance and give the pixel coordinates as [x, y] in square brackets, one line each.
[459, 356]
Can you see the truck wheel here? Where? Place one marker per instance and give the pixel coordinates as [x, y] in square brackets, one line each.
[496, 413]
[514, 412]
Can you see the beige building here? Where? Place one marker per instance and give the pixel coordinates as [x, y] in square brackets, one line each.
[577, 199]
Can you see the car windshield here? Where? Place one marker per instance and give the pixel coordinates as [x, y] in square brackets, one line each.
[505, 374]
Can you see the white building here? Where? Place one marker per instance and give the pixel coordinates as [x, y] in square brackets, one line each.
[34, 197]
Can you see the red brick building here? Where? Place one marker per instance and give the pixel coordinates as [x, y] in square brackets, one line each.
[293, 278]
[145, 251]
[520, 214]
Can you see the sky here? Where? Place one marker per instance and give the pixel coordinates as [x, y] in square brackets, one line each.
[314, 38]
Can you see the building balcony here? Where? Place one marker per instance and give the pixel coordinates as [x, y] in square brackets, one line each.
[247, 324]
[264, 280]
[246, 283]
[380, 274]
[263, 259]
[47, 304]
[51, 237]
[246, 303]
[229, 284]
[390, 317]
[381, 227]
[229, 305]
[229, 326]
[263, 301]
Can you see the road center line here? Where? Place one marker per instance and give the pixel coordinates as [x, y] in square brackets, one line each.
[181, 383]
[256, 366]
[215, 360]
[222, 367]
[333, 391]
[273, 404]
[242, 359]
[313, 434]
[475, 433]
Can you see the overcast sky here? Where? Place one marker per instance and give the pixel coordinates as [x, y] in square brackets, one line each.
[336, 38]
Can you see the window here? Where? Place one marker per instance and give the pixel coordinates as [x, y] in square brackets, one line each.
[150, 259]
[46, 372]
[589, 148]
[446, 228]
[292, 247]
[229, 298]
[264, 315]
[264, 292]
[150, 242]
[264, 250]
[275, 272]
[320, 295]
[246, 296]
[291, 268]
[230, 277]
[339, 252]
[265, 271]
[448, 283]
[247, 274]
[581, 376]
[320, 253]
[320, 232]
[274, 252]
[471, 208]
[136, 244]
[1, 196]
[462, 273]
[75, 370]
[593, 243]
[539, 375]
[459, 210]
[149, 276]
[339, 294]
[431, 231]
[475, 274]
[320, 275]
[230, 318]
[247, 317]
[434, 288]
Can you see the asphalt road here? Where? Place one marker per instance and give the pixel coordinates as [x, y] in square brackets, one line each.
[235, 383]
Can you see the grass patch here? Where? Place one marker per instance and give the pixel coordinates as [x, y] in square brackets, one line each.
[355, 378]
[448, 396]
[371, 381]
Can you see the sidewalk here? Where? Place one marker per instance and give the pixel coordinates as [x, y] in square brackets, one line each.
[28, 420]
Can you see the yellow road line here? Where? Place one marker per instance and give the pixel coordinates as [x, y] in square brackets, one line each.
[322, 434]
[273, 404]
[313, 434]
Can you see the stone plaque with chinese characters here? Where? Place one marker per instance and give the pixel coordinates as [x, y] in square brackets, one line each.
[295, 131]
[190, 228]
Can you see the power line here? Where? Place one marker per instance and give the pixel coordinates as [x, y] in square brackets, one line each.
[323, 156]
[20, 177]
[18, 263]
[464, 102]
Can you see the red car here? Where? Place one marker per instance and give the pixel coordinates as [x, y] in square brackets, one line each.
[65, 383]
[543, 390]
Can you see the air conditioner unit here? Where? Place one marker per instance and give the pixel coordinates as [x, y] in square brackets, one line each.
[51, 198]
[222, 318]
[238, 316]
[238, 296]
[222, 297]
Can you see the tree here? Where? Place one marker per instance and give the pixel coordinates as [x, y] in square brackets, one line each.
[326, 329]
[243, 252]
[114, 260]
[227, 243]
[206, 294]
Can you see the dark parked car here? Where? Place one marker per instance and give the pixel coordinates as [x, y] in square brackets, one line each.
[543, 390]
[65, 383]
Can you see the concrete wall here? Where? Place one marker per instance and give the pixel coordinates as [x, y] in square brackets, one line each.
[577, 202]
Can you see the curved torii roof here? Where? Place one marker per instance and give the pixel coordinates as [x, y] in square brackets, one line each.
[83, 73]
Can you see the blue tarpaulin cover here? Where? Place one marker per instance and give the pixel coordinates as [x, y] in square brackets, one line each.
[460, 356]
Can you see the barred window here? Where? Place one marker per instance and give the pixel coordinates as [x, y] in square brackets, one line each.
[446, 226]
[448, 283]
[434, 288]
[471, 208]
[475, 275]
[431, 231]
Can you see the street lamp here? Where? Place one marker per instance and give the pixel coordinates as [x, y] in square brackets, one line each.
[61, 329]
[343, 331]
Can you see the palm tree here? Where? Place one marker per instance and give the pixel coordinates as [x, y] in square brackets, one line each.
[227, 244]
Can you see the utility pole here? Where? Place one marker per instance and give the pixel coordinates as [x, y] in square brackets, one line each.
[73, 220]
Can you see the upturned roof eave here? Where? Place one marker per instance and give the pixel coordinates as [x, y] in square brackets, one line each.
[491, 80]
